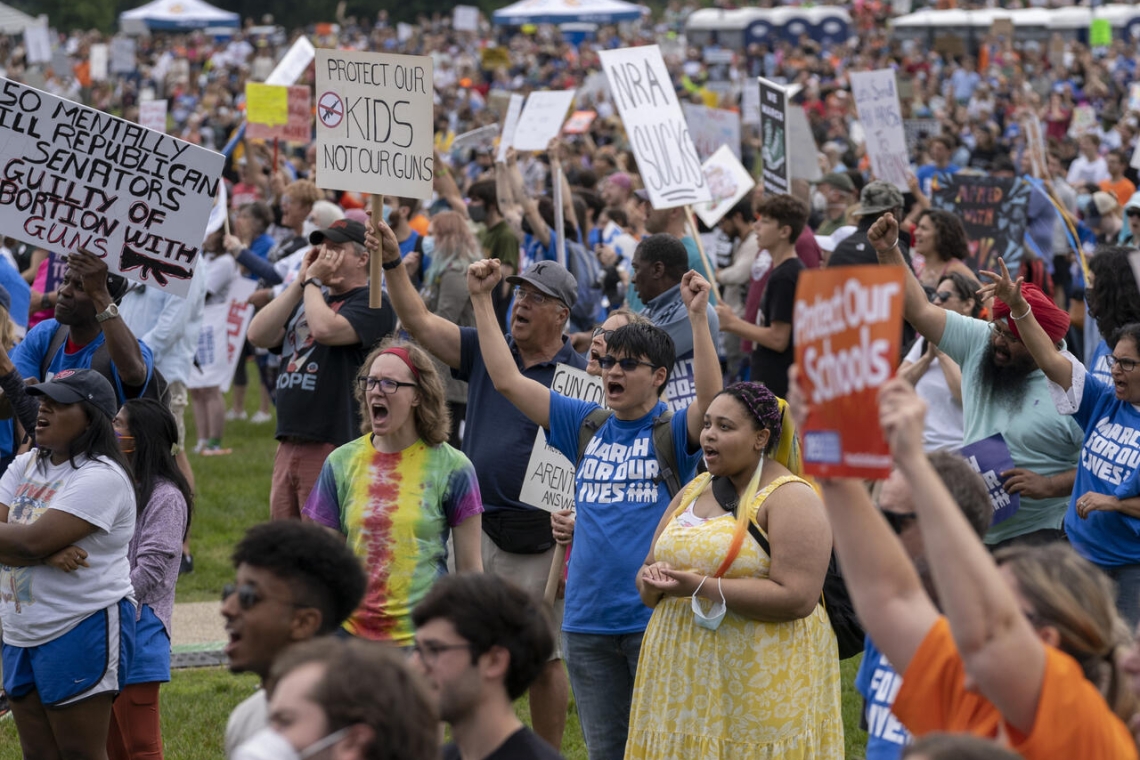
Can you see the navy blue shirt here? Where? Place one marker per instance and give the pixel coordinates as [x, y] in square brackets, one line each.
[498, 438]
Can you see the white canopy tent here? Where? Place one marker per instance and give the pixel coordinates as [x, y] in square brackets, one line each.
[13, 21]
[177, 14]
[567, 11]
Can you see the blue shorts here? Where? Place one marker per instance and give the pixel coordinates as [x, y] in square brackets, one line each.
[90, 659]
[151, 662]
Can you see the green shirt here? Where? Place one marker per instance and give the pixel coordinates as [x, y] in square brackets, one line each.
[499, 242]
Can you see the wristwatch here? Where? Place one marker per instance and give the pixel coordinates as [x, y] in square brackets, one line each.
[390, 265]
[312, 281]
[111, 312]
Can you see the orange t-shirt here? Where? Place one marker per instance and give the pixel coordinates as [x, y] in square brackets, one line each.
[419, 223]
[1073, 720]
[1123, 189]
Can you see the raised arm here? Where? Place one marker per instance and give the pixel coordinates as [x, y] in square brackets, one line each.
[443, 182]
[530, 396]
[706, 364]
[267, 330]
[122, 344]
[529, 205]
[927, 318]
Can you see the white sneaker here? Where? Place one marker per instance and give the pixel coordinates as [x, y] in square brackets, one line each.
[260, 417]
[202, 443]
[232, 415]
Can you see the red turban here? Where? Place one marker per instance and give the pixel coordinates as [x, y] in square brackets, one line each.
[1053, 319]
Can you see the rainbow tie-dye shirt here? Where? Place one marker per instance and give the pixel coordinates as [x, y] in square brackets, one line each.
[396, 511]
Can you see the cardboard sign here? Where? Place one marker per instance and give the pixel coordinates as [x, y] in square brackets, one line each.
[374, 123]
[465, 18]
[728, 182]
[74, 177]
[541, 119]
[549, 481]
[990, 457]
[847, 324]
[579, 122]
[877, 101]
[994, 212]
[264, 120]
[99, 56]
[642, 89]
[37, 44]
[292, 66]
[711, 128]
[220, 341]
[776, 168]
[152, 115]
[949, 44]
[1002, 27]
[123, 52]
[514, 110]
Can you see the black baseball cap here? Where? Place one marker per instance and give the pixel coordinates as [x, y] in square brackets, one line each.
[340, 231]
[70, 386]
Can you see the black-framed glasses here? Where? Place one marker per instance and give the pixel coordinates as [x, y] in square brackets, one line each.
[536, 298]
[429, 651]
[627, 364]
[606, 334]
[387, 385]
[1126, 365]
[899, 521]
[249, 597]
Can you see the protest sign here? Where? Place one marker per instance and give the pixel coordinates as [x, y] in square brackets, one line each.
[37, 44]
[481, 136]
[989, 458]
[374, 123]
[541, 119]
[1100, 32]
[1084, 121]
[1134, 97]
[579, 122]
[711, 128]
[878, 104]
[222, 336]
[728, 182]
[495, 58]
[994, 212]
[290, 68]
[465, 18]
[1035, 144]
[298, 124]
[514, 110]
[549, 481]
[847, 324]
[123, 55]
[917, 130]
[99, 58]
[266, 105]
[404, 32]
[1135, 162]
[76, 178]
[152, 114]
[642, 89]
[750, 102]
[1002, 27]
[803, 153]
[775, 172]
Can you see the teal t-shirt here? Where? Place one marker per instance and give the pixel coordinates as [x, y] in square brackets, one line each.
[1039, 438]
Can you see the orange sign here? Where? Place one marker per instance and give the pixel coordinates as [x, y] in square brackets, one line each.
[848, 324]
[579, 122]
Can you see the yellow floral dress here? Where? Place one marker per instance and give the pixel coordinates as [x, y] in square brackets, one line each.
[749, 689]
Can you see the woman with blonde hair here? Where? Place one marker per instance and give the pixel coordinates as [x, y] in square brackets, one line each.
[397, 492]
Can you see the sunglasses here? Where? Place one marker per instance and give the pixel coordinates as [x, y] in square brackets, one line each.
[899, 521]
[606, 334]
[249, 597]
[627, 365]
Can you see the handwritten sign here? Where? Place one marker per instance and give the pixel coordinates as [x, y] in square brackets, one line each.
[728, 182]
[290, 68]
[152, 115]
[541, 119]
[989, 458]
[99, 57]
[803, 152]
[1084, 121]
[776, 168]
[711, 128]
[266, 104]
[74, 177]
[878, 103]
[222, 336]
[643, 91]
[750, 102]
[478, 137]
[298, 124]
[847, 324]
[994, 212]
[37, 43]
[465, 18]
[123, 52]
[514, 110]
[374, 123]
[1035, 144]
[549, 481]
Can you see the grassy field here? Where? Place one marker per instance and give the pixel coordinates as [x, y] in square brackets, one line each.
[233, 495]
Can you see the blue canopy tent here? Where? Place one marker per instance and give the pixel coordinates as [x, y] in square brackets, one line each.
[165, 15]
[567, 11]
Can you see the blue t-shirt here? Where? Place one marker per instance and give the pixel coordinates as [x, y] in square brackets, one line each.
[409, 245]
[1109, 459]
[619, 503]
[28, 357]
[1098, 365]
[879, 684]
[499, 438]
[925, 175]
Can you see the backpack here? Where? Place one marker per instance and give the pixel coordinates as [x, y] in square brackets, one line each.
[849, 635]
[101, 362]
[590, 275]
[662, 445]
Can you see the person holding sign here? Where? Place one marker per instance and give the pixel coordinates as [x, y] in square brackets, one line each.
[1104, 512]
[619, 495]
[1003, 391]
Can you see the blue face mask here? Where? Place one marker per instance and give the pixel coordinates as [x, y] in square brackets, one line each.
[387, 213]
[429, 245]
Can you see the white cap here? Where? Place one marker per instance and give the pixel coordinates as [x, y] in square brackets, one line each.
[830, 242]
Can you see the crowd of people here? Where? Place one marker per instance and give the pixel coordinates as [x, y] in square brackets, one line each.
[690, 598]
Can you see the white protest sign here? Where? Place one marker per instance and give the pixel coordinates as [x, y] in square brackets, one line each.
[404, 31]
[73, 177]
[222, 336]
[541, 119]
[711, 128]
[293, 64]
[37, 43]
[1035, 143]
[1084, 121]
[641, 87]
[99, 56]
[374, 123]
[750, 102]
[549, 481]
[1135, 162]
[877, 100]
[728, 182]
[123, 53]
[476, 137]
[803, 152]
[152, 115]
[465, 18]
[514, 110]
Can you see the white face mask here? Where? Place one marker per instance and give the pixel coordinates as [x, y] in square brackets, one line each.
[717, 612]
[267, 744]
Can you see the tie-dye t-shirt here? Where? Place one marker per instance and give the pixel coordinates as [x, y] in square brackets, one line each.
[396, 511]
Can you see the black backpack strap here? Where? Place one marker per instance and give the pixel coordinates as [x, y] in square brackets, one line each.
[666, 453]
[593, 422]
[58, 338]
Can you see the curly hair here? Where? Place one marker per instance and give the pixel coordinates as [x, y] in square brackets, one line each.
[786, 210]
[433, 418]
[1113, 299]
[763, 409]
[950, 241]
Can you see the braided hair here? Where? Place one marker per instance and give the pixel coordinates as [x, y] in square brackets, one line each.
[762, 406]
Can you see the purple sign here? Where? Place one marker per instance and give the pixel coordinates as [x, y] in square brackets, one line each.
[990, 457]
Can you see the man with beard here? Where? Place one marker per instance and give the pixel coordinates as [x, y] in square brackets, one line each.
[1003, 391]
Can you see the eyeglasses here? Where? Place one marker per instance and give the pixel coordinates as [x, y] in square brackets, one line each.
[249, 597]
[538, 299]
[627, 365]
[429, 651]
[387, 385]
[1005, 335]
[606, 334]
[899, 521]
[1126, 365]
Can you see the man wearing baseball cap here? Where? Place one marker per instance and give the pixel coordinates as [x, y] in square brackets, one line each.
[839, 190]
[877, 198]
[323, 328]
[518, 542]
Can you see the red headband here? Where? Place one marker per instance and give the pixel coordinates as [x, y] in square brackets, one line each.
[405, 357]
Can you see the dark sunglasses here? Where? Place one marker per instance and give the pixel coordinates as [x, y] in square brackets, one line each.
[627, 365]
[899, 521]
[249, 597]
[606, 334]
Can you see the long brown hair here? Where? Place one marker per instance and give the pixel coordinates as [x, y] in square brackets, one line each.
[433, 418]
